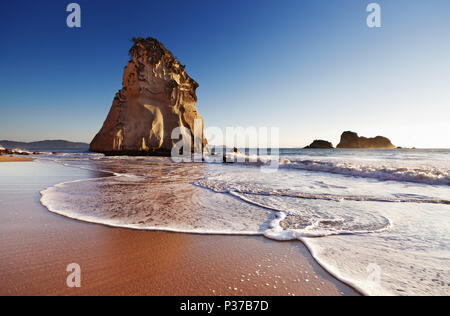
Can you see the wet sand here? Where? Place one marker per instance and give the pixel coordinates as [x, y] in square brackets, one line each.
[14, 159]
[36, 246]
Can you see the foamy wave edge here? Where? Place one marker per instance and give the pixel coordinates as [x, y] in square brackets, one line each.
[382, 173]
[219, 188]
[275, 231]
[47, 203]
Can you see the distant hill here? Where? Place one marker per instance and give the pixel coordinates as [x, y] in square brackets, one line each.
[45, 144]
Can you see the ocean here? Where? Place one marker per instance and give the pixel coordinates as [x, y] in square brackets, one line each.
[379, 220]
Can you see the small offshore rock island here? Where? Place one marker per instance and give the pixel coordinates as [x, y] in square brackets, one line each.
[157, 96]
[351, 140]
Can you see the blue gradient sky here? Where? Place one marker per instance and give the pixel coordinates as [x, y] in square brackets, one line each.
[312, 68]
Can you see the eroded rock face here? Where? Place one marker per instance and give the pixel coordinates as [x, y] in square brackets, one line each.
[320, 144]
[157, 96]
[352, 140]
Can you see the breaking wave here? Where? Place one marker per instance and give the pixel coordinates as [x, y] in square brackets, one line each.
[433, 176]
[224, 187]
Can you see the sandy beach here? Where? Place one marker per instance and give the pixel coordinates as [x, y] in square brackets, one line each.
[36, 246]
[14, 159]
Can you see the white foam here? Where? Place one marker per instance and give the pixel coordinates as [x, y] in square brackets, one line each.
[223, 187]
[379, 172]
[48, 200]
[402, 169]
[98, 201]
[369, 226]
[276, 231]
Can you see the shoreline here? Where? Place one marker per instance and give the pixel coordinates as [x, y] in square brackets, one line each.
[15, 159]
[38, 245]
[169, 231]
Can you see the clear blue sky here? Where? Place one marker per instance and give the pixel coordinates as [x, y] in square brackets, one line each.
[311, 67]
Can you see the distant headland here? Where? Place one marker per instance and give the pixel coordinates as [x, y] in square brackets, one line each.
[45, 144]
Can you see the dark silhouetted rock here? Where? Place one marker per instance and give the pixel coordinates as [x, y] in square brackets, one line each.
[320, 144]
[352, 140]
[20, 152]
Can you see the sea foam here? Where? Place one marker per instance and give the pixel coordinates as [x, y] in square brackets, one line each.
[398, 226]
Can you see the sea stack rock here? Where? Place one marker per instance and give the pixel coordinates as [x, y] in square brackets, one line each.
[352, 140]
[320, 144]
[157, 97]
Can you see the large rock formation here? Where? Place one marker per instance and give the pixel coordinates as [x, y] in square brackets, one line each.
[157, 96]
[352, 140]
[320, 144]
